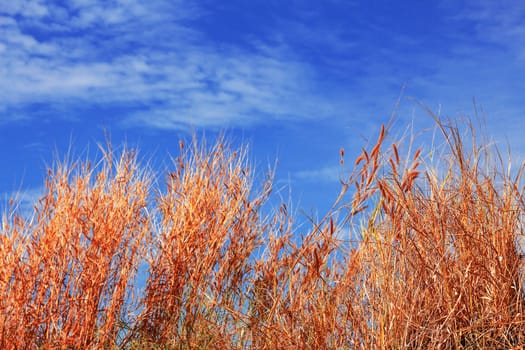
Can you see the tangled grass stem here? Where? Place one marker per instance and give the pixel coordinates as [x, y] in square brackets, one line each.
[413, 254]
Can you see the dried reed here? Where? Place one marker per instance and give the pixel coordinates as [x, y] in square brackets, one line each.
[414, 254]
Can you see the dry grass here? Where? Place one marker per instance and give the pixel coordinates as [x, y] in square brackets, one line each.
[65, 273]
[417, 252]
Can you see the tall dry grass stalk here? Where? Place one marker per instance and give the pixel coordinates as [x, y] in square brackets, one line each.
[418, 252]
[210, 226]
[438, 261]
[66, 272]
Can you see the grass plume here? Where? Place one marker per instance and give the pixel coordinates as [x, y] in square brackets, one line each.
[417, 252]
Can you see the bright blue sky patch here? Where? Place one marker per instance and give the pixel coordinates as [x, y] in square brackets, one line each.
[298, 80]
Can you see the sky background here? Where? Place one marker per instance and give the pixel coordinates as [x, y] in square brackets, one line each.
[296, 80]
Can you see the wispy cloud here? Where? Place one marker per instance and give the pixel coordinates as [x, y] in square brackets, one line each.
[167, 72]
[328, 174]
[497, 22]
[23, 200]
[144, 55]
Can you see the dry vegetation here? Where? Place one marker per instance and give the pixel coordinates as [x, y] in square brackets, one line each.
[418, 252]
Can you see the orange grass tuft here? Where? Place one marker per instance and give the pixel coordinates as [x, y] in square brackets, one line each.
[200, 272]
[413, 254]
[65, 273]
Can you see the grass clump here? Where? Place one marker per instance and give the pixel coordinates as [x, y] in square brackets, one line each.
[65, 272]
[418, 252]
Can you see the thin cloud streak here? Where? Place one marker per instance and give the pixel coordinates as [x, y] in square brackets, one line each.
[150, 58]
[156, 65]
[23, 201]
[328, 174]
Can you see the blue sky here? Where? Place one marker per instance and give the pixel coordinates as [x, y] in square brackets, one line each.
[297, 80]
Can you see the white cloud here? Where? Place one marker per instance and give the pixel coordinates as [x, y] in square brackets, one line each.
[29, 8]
[24, 200]
[140, 54]
[146, 56]
[107, 13]
[496, 22]
[328, 174]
